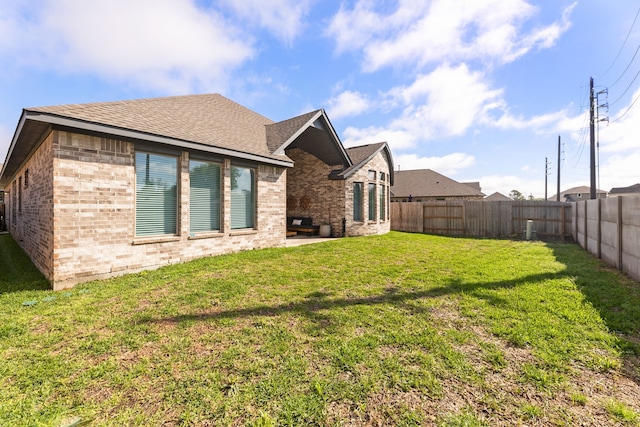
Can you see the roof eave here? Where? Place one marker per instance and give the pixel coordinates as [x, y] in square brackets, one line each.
[137, 135]
[384, 147]
[4, 180]
[320, 114]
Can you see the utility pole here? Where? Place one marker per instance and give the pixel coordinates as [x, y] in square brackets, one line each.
[558, 190]
[546, 174]
[592, 139]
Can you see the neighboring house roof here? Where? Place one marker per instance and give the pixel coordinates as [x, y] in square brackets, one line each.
[361, 155]
[581, 192]
[497, 197]
[632, 189]
[428, 183]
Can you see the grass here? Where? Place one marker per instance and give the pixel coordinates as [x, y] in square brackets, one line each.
[401, 329]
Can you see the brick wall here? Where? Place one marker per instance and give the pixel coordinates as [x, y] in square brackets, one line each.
[332, 200]
[368, 227]
[30, 207]
[94, 213]
[311, 194]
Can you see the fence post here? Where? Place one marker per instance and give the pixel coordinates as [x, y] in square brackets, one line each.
[599, 235]
[619, 230]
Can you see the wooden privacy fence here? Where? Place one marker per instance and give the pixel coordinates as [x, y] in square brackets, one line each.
[479, 218]
[610, 229]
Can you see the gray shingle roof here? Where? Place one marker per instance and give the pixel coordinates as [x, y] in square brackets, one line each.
[428, 183]
[635, 188]
[210, 119]
[279, 133]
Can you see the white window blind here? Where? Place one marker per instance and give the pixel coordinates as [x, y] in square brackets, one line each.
[204, 198]
[243, 208]
[156, 194]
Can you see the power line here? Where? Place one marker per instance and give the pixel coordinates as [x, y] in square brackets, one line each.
[627, 89]
[623, 43]
[625, 70]
[623, 114]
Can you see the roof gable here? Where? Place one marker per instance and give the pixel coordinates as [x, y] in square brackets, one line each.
[311, 132]
[362, 154]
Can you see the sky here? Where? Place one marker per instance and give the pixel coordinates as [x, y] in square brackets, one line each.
[475, 90]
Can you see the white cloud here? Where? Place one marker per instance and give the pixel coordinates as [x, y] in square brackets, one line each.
[420, 33]
[284, 18]
[347, 103]
[445, 102]
[624, 130]
[446, 165]
[168, 45]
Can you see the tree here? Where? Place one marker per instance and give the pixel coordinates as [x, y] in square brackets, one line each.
[516, 195]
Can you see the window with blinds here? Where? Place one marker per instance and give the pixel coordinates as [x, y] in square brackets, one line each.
[383, 210]
[357, 201]
[243, 210]
[372, 202]
[204, 196]
[156, 194]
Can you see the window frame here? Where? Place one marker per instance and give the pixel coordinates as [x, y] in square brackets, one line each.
[168, 229]
[234, 209]
[214, 204]
[372, 196]
[358, 205]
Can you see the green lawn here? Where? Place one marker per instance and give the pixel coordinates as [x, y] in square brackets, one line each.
[401, 329]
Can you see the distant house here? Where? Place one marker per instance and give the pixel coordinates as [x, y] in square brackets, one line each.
[424, 185]
[95, 190]
[632, 190]
[576, 194]
[497, 197]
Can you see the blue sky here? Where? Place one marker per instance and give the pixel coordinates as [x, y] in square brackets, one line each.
[476, 90]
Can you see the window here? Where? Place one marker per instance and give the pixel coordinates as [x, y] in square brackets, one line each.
[242, 197]
[372, 202]
[357, 201]
[382, 203]
[20, 194]
[372, 175]
[156, 194]
[382, 176]
[204, 198]
[26, 178]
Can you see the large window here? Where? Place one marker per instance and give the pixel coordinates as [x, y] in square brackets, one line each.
[204, 199]
[383, 210]
[357, 201]
[243, 211]
[372, 202]
[156, 194]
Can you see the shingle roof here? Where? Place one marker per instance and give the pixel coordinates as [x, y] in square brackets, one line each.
[209, 119]
[497, 196]
[278, 133]
[635, 188]
[428, 183]
[360, 155]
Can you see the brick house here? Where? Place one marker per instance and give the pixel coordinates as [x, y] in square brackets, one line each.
[101, 189]
[426, 185]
